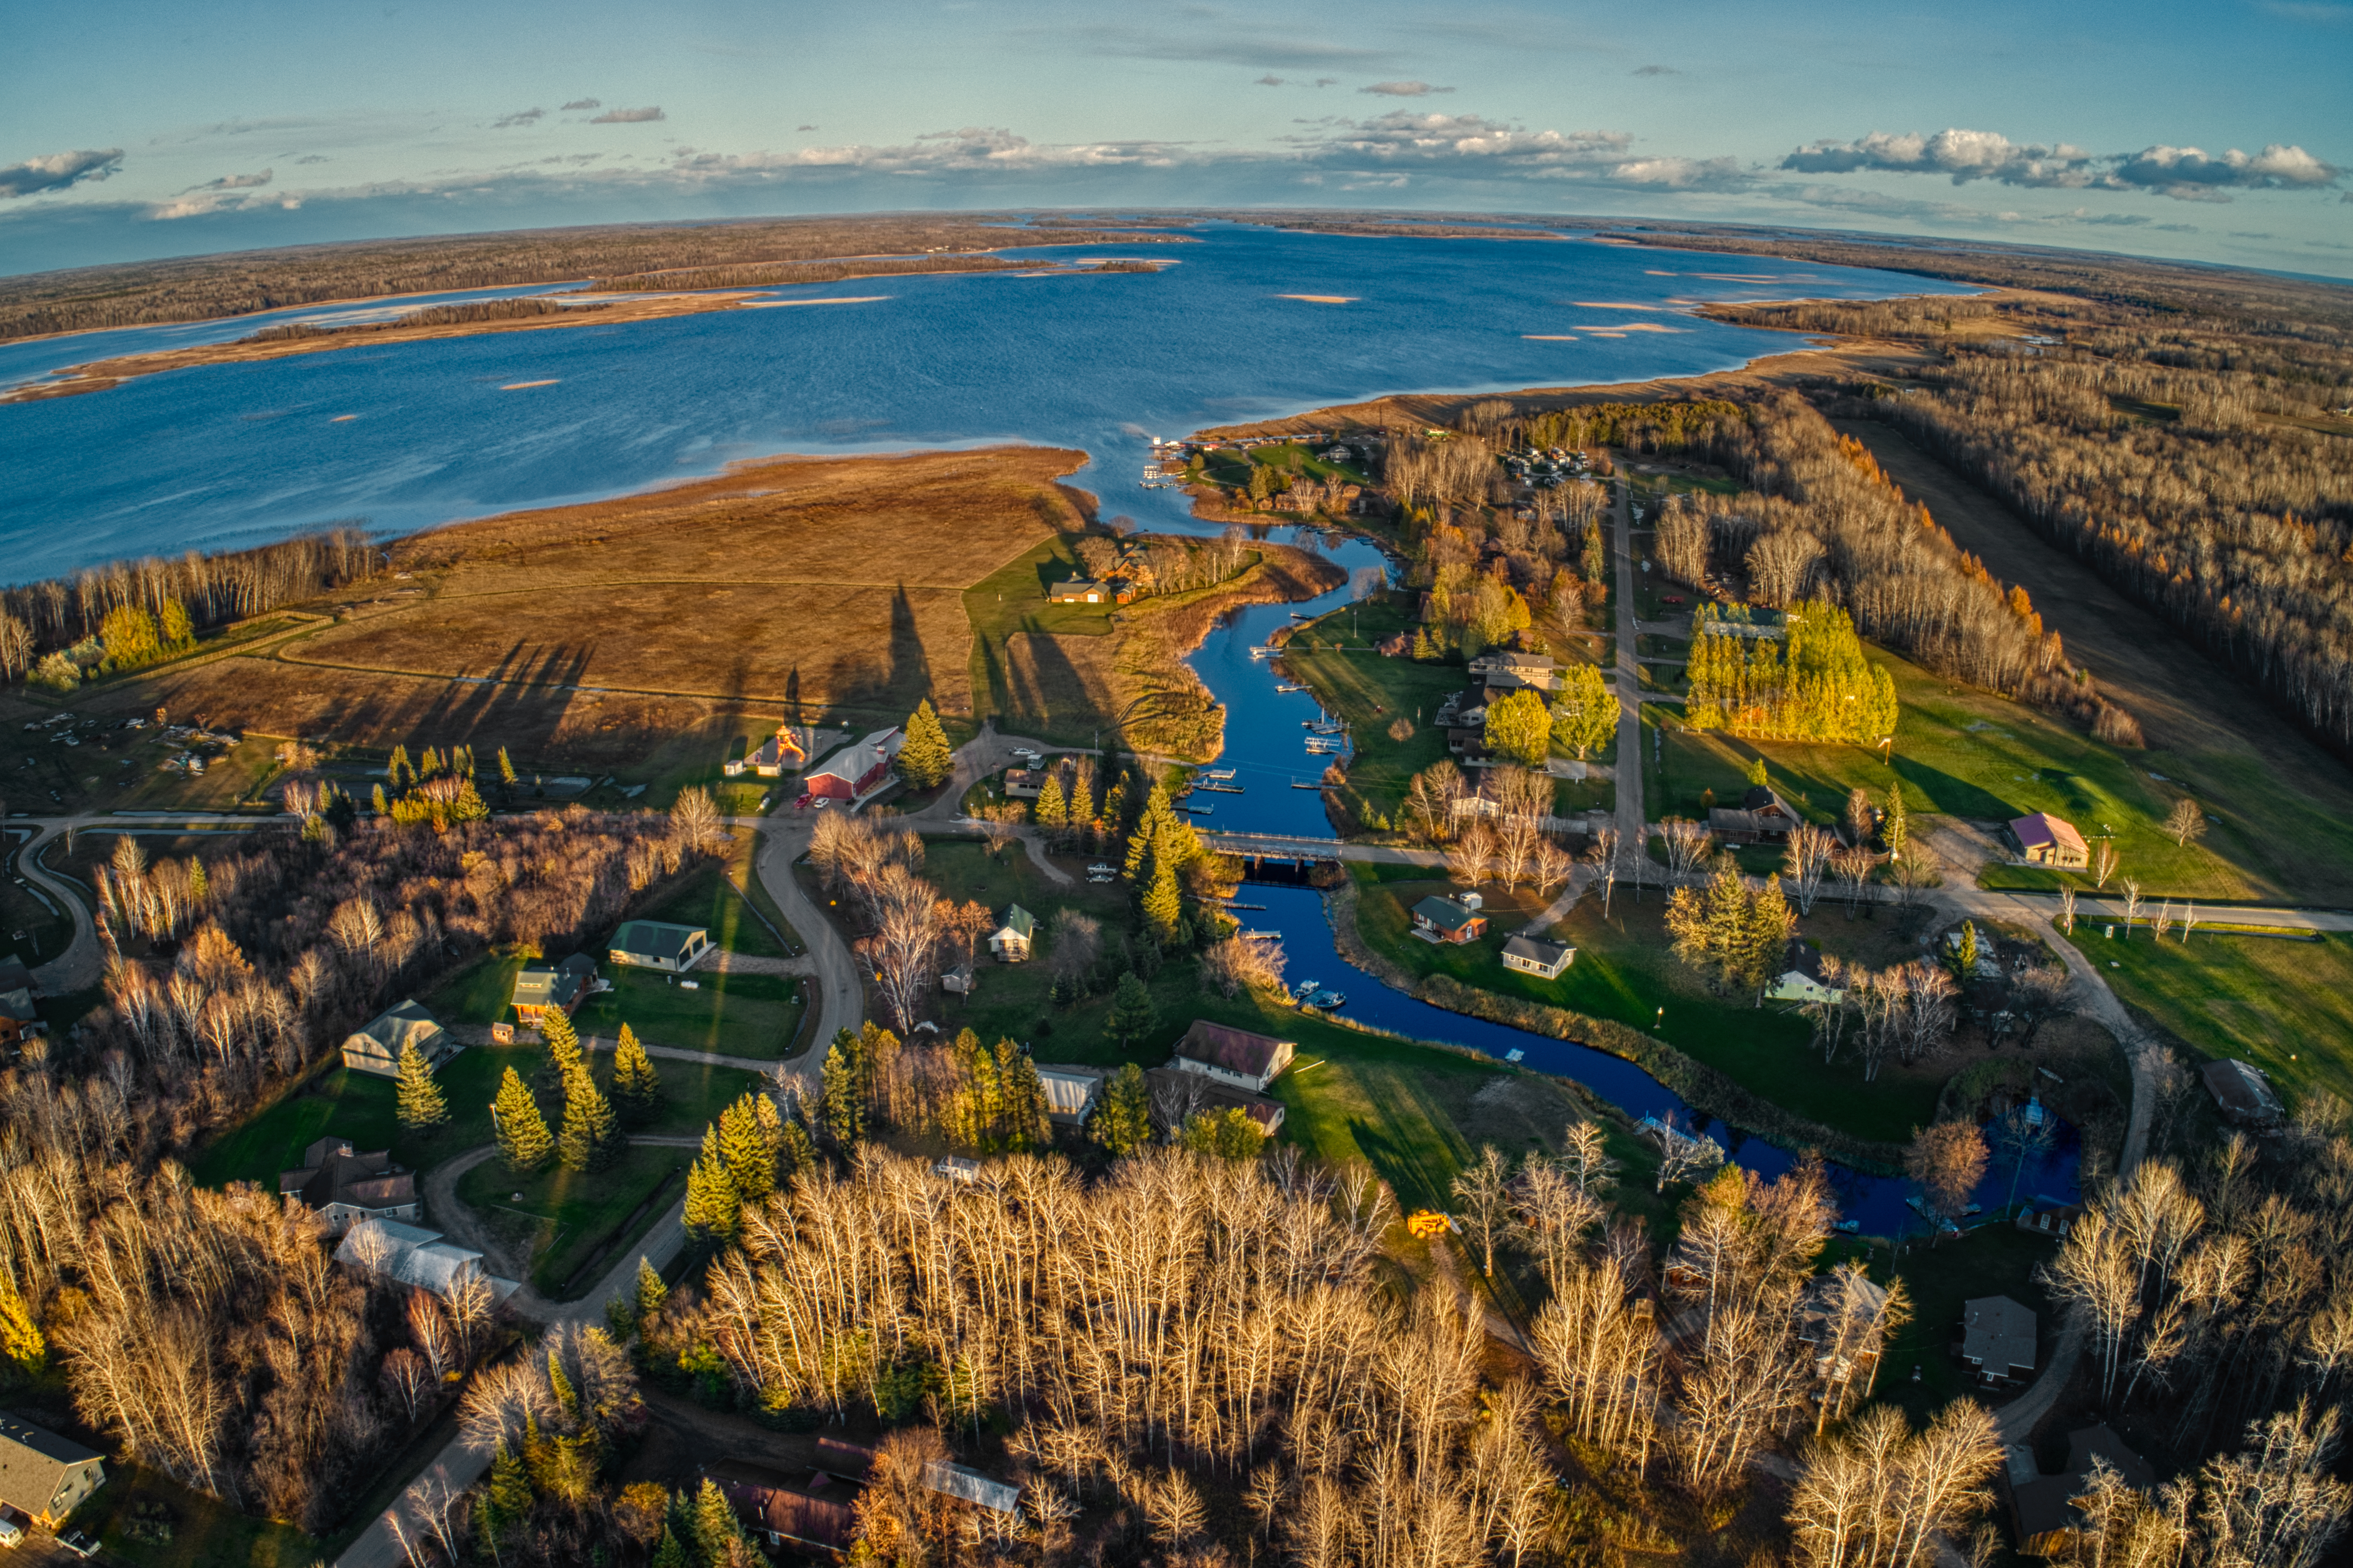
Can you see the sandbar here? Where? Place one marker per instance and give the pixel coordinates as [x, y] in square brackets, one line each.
[1323, 298]
[525, 385]
[845, 300]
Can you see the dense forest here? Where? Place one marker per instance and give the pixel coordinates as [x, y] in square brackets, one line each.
[206, 288]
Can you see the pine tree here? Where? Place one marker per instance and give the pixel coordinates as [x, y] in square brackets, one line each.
[925, 758]
[562, 1058]
[179, 630]
[524, 1140]
[398, 770]
[1122, 1120]
[1421, 647]
[592, 1137]
[200, 885]
[506, 1497]
[1133, 1015]
[637, 1087]
[567, 1399]
[20, 1337]
[1050, 812]
[715, 1528]
[713, 1214]
[652, 1291]
[746, 1152]
[842, 1080]
[1163, 909]
[383, 807]
[670, 1553]
[1770, 922]
[506, 769]
[468, 807]
[421, 1103]
[1024, 1097]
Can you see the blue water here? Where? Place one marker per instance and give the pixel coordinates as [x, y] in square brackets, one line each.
[234, 455]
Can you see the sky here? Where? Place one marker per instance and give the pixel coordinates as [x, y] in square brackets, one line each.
[2207, 130]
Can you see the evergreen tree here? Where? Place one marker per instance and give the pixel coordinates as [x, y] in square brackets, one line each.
[745, 1150]
[1421, 647]
[397, 771]
[925, 758]
[1757, 776]
[842, 1082]
[567, 1399]
[383, 807]
[1965, 953]
[1133, 1015]
[1164, 909]
[200, 885]
[651, 1292]
[592, 1137]
[1122, 1122]
[562, 1058]
[715, 1528]
[712, 1213]
[1050, 812]
[177, 629]
[637, 1087]
[506, 1498]
[524, 1140]
[670, 1553]
[1771, 921]
[20, 1337]
[1022, 1122]
[468, 807]
[1893, 828]
[1229, 1134]
[420, 1104]
[506, 769]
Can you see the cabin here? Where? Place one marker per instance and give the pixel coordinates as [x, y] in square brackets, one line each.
[419, 1258]
[2045, 839]
[1802, 979]
[780, 754]
[2242, 1093]
[540, 989]
[1761, 815]
[814, 1510]
[376, 1048]
[659, 945]
[1235, 1056]
[1070, 1092]
[1542, 960]
[959, 980]
[2043, 1506]
[1998, 1338]
[1011, 941]
[347, 1186]
[1079, 590]
[43, 1475]
[858, 769]
[1437, 919]
[1177, 1094]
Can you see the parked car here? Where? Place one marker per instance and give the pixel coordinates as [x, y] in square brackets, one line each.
[11, 1533]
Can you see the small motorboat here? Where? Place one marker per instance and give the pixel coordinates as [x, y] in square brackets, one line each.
[1849, 1227]
[1328, 999]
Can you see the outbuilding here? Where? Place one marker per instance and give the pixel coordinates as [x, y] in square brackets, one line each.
[659, 945]
[1542, 960]
[858, 769]
[2242, 1093]
[2045, 839]
[1010, 941]
[1802, 979]
[1070, 1091]
[1437, 919]
[376, 1048]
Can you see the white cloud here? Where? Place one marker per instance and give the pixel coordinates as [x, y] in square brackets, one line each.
[523, 116]
[628, 116]
[56, 171]
[2184, 173]
[235, 183]
[1403, 88]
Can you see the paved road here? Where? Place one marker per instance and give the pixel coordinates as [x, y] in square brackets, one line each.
[83, 962]
[1633, 830]
[841, 991]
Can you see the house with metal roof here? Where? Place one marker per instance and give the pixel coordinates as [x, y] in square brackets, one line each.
[1437, 919]
[1070, 1092]
[2045, 839]
[1542, 960]
[858, 769]
[562, 987]
[421, 1259]
[659, 945]
[44, 1476]
[963, 1482]
[376, 1048]
[1236, 1057]
[1011, 941]
[1998, 1338]
[346, 1185]
[2242, 1093]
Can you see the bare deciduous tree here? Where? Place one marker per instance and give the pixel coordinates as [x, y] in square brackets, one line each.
[1809, 851]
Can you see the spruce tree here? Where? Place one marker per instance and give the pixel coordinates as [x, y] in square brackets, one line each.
[637, 1087]
[395, 769]
[746, 1152]
[1133, 1015]
[382, 806]
[592, 1137]
[1122, 1123]
[652, 1291]
[1050, 812]
[1024, 1114]
[200, 885]
[506, 1498]
[925, 758]
[421, 1103]
[715, 1527]
[713, 1214]
[506, 769]
[562, 1058]
[524, 1140]
[1164, 909]
[844, 1089]
[671, 1553]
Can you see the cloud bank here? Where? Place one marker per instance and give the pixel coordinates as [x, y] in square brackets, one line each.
[1403, 88]
[2184, 173]
[58, 170]
[628, 116]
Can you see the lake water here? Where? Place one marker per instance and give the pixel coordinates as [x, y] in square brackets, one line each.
[403, 437]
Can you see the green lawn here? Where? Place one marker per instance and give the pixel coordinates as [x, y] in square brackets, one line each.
[2284, 1005]
[755, 1016]
[565, 1218]
[205, 1531]
[481, 992]
[1624, 972]
[1996, 1260]
[1963, 753]
[1011, 600]
[360, 1107]
[711, 896]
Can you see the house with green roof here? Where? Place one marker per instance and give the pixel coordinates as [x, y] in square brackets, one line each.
[659, 945]
[376, 1048]
[539, 986]
[1011, 941]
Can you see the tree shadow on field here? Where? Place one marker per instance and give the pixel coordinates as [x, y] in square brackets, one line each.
[1952, 797]
[909, 675]
[519, 703]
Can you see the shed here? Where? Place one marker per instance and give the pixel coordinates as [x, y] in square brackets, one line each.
[345, 1184]
[563, 987]
[1010, 942]
[2242, 1093]
[1070, 1092]
[1998, 1338]
[376, 1048]
[1802, 979]
[969, 1485]
[1542, 960]
[659, 945]
[1437, 919]
[958, 979]
[2045, 839]
[1235, 1056]
[44, 1476]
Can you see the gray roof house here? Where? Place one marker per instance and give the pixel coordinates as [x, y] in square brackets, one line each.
[659, 945]
[43, 1475]
[541, 986]
[377, 1047]
[345, 1185]
[414, 1257]
[1998, 1338]
[1543, 959]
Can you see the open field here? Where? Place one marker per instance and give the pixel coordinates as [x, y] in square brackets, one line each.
[756, 1017]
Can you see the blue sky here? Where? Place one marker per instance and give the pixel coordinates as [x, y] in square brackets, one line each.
[2212, 131]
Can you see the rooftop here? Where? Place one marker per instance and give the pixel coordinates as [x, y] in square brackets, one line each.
[1236, 1050]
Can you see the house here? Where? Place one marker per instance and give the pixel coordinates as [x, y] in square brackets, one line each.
[1437, 919]
[2048, 1216]
[956, 1168]
[1542, 960]
[412, 1256]
[2242, 1093]
[2043, 1506]
[857, 769]
[812, 1509]
[2045, 839]
[1833, 1309]
[779, 755]
[1801, 980]
[958, 979]
[345, 1185]
[1080, 590]
[1177, 1094]
[1070, 1092]
[1233, 1056]
[562, 987]
[19, 1019]
[659, 945]
[1760, 815]
[963, 1482]
[1536, 669]
[1024, 783]
[1998, 1338]
[44, 1476]
[1011, 940]
[376, 1048]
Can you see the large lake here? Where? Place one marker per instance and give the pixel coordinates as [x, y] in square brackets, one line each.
[234, 455]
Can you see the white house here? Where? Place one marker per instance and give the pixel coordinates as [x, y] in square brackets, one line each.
[1542, 960]
[1011, 940]
[1801, 980]
[417, 1258]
